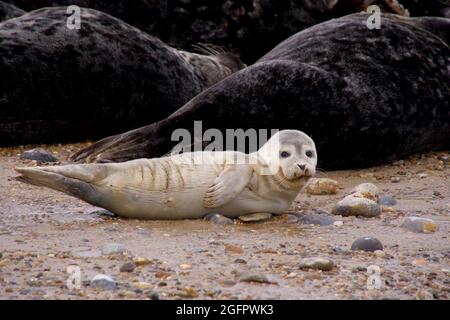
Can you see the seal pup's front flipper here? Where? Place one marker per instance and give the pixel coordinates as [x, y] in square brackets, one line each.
[230, 182]
[75, 180]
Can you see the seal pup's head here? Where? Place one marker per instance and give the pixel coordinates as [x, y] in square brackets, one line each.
[290, 155]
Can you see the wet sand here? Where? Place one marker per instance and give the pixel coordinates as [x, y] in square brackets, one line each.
[42, 232]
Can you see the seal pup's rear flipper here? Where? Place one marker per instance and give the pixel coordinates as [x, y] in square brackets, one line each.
[75, 180]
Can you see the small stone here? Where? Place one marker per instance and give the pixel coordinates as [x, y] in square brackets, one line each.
[316, 219]
[127, 294]
[388, 210]
[103, 212]
[141, 261]
[152, 294]
[420, 225]
[359, 268]
[290, 218]
[367, 190]
[322, 186]
[39, 155]
[388, 201]
[418, 262]
[367, 244]
[218, 219]
[318, 263]
[422, 175]
[239, 260]
[338, 249]
[128, 267]
[256, 217]
[103, 281]
[338, 223]
[143, 285]
[188, 293]
[229, 248]
[260, 278]
[354, 205]
[185, 266]
[423, 294]
[437, 194]
[379, 253]
[395, 179]
[86, 254]
[113, 248]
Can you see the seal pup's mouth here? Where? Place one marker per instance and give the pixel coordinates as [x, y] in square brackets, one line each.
[294, 182]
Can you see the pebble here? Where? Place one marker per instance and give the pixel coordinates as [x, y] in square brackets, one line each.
[359, 268]
[388, 201]
[380, 253]
[254, 277]
[113, 248]
[389, 210]
[367, 190]
[39, 155]
[128, 267]
[185, 266]
[420, 225]
[422, 175]
[229, 248]
[316, 219]
[338, 249]
[218, 219]
[354, 205]
[143, 285]
[104, 282]
[318, 263]
[141, 261]
[395, 179]
[188, 293]
[239, 260]
[86, 254]
[127, 294]
[103, 212]
[256, 217]
[152, 294]
[369, 244]
[322, 186]
[338, 223]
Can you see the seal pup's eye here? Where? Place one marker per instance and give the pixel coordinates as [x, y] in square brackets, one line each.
[285, 154]
[309, 153]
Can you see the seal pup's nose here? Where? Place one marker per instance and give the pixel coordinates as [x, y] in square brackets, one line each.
[301, 166]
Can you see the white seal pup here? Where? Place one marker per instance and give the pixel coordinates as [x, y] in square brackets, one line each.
[191, 185]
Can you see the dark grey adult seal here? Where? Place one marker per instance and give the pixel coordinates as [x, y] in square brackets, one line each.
[365, 96]
[8, 11]
[61, 84]
[251, 28]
